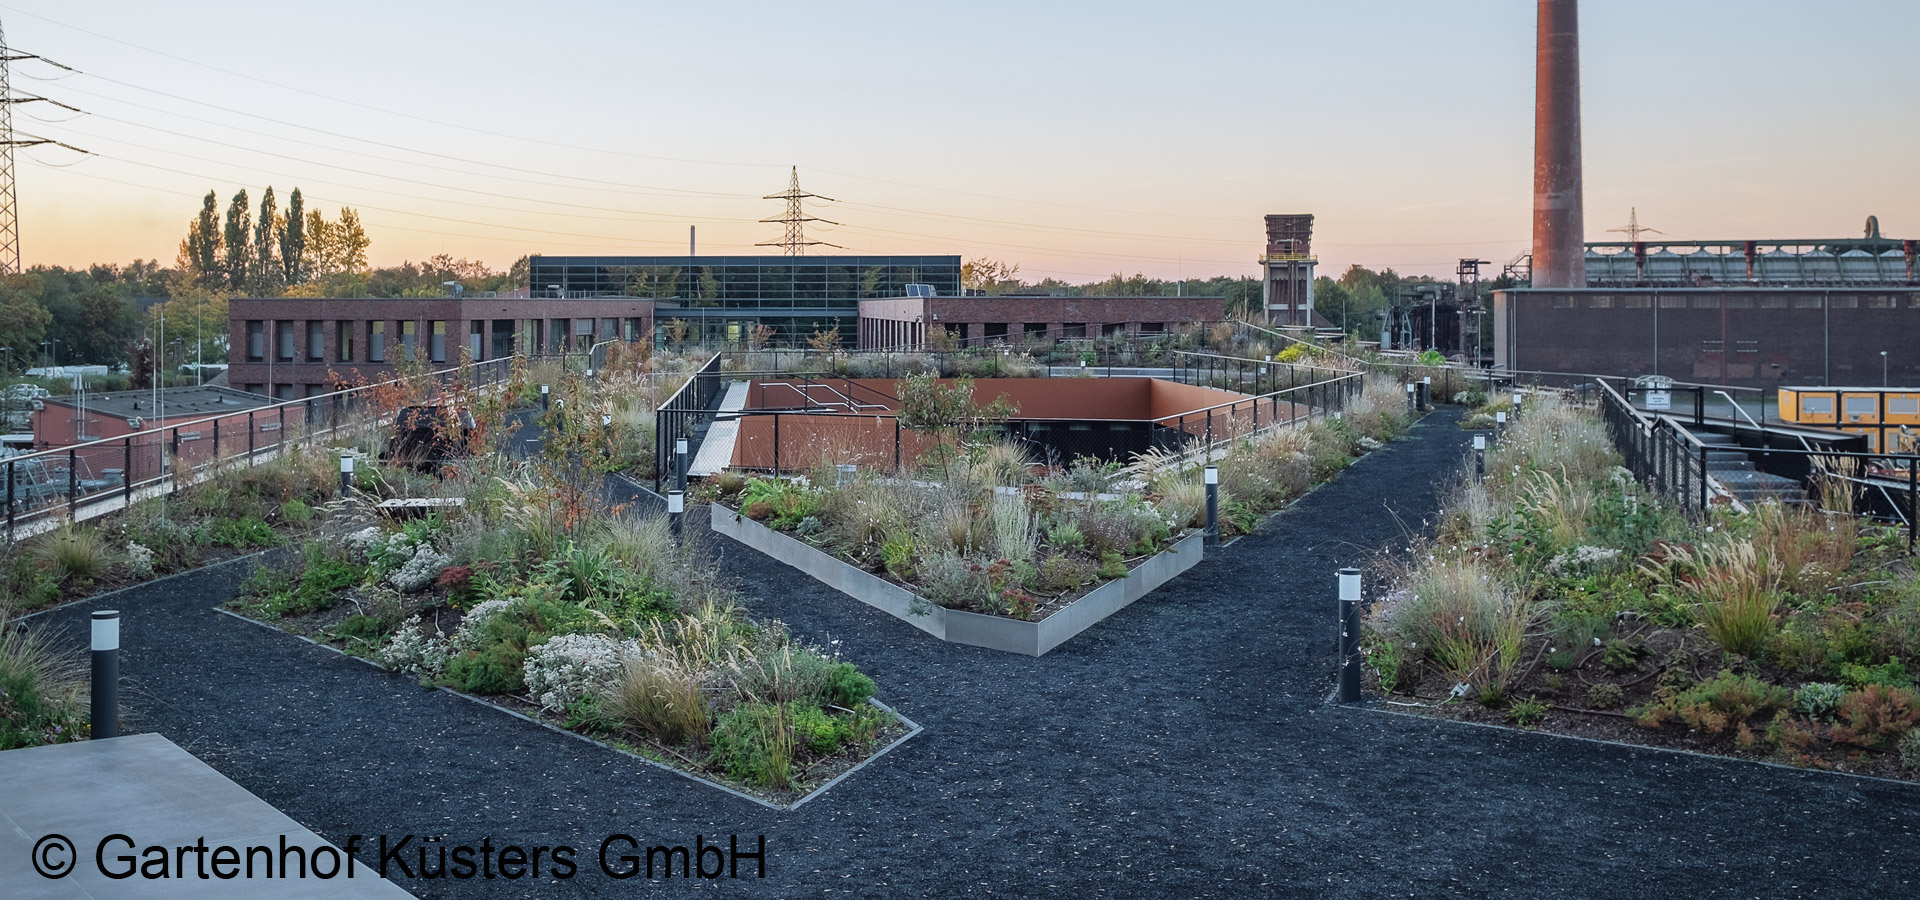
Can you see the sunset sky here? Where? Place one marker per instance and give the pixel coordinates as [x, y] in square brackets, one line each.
[1077, 139]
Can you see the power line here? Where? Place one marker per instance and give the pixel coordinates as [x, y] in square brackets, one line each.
[794, 242]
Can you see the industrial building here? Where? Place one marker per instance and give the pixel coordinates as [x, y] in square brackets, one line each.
[291, 348]
[724, 298]
[901, 322]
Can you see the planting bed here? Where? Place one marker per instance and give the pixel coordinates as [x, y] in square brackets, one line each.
[1559, 595]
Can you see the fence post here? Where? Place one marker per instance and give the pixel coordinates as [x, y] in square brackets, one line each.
[896, 444]
[126, 474]
[1349, 635]
[106, 674]
[776, 445]
[251, 428]
[1212, 478]
[10, 501]
[73, 481]
[1703, 478]
[1913, 496]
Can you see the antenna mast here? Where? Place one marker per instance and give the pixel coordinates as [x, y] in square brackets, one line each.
[795, 241]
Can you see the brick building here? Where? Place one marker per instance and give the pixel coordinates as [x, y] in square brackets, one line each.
[1753, 336]
[980, 321]
[215, 418]
[290, 348]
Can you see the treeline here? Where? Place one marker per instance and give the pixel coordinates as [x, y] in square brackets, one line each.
[104, 314]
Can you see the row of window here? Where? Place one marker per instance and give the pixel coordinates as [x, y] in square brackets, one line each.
[367, 341]
[1767, 301]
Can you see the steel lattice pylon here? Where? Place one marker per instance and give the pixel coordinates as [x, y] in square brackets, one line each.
[795, 241]
[9, 220]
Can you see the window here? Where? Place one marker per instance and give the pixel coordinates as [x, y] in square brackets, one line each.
[316, 341]
[376, 342]
[1816, 406]
[557, 335]
[476, 340]
[996, 330]
[582, 334]
[1603, 301]
[1113, 329]
[256, 341]
[1153, 328]
[409, 339]
[1903, 406]
[437, 342]
[1856, 407]
[633, 329]
[1073, 330]
[343, 340]
[1036, 330]
[284, 343]
[1846, 303]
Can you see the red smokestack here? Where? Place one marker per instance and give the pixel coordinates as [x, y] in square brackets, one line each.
[1559, 233]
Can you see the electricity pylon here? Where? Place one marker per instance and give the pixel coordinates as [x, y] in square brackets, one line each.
[795, 241]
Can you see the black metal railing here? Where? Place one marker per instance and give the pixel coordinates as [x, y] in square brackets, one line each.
[94, 477]
[681, 416]
[1658, 452]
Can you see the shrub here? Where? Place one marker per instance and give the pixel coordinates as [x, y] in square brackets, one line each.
[1606, 695]
[296, 510]
[754, 742]
[497, 669]
[1892, 673]
[784, 675]
[412, 652]
[244, 533]
[1184, 503]
[813, 729]
[568, 667]
[1459, 614]
[1818, 700]
[320, 585]
[1875, 716]
[848, 687]
[1724, 701]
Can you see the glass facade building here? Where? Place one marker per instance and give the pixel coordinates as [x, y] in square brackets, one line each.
[723, 298]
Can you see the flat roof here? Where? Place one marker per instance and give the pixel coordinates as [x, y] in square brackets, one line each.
[194, 402]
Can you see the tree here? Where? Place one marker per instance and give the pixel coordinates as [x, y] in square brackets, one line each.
[200, 252]
[352, 241]
[266, 274]
[238, 241]
[23, 321]
[990, 276]
[198, 320]
[322, 257]
[293, 242]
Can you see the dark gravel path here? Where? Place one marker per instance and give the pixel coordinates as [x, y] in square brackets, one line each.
[1183, 748]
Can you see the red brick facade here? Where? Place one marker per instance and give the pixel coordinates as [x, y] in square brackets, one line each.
[979, 321]
[291, 348]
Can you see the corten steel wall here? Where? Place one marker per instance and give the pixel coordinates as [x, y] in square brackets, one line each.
[303, 371]
[970, 315]
[1559, 228]
[1757, 337]
[869, 438]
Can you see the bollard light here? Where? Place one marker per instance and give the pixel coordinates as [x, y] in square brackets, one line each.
[589, 374]
[680, 446]
[1349, 635]
[1516, 398]
[1427, 380]
[1479, 442]
[106, 673]
[346, 473]
[676, 509]
[1211, 477]
[1479, 454]
[606, 420]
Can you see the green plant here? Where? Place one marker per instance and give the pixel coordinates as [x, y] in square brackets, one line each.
[325, 577]
[495, 669]
[1909, 748]
[1726, 700]
[1818, 700]
[1892, 673]
[1386, 660]
[1060, 573]
[41, 690]
[1625, 656]
[754, 742]
[896, 554]
[1066, 536]
[296, 510]
[1737, 591]
[1527, 713]
[1606, 695]
[244, 533]
[1112, 565]
[847, 686]
[813, 729]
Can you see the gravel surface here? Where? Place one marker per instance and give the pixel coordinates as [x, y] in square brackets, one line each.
[1183, 748]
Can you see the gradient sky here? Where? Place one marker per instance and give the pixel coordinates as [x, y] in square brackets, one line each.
[1077, 139]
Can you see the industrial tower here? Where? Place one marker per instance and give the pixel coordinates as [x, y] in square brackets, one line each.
[1559, 227]
[795, 241]
[1287, 290]
[9, 220]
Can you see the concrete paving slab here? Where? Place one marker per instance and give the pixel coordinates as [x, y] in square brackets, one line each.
[61, 808]
[716, 451]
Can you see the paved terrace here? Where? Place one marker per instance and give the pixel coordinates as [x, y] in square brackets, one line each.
[1183, 748]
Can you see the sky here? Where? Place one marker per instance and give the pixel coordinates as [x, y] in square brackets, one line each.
[1075, 139]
